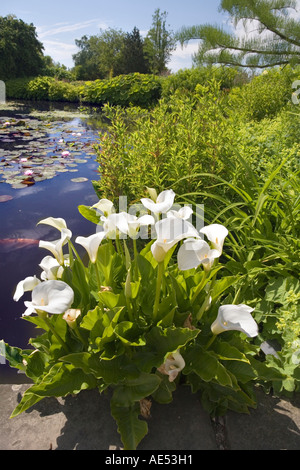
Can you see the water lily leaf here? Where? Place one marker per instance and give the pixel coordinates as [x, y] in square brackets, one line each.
[79, 180]
[5, 198]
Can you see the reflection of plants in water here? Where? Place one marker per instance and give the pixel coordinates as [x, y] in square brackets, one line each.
[41, 145]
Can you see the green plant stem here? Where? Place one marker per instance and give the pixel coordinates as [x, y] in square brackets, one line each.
[160, 272]
[210, 342]
[57, 336]
[98, 276]
[77, 255]
[200, 287]
[79, 335]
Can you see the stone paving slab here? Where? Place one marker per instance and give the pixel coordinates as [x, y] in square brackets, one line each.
[83, 422]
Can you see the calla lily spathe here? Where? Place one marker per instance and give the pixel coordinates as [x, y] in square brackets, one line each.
[192, 253]
[169, 232]
[56, 246]
[51, 297]
[57, 223]
[104, 206]
[184, 213]
[162, 204]
[26, 285]
[172, 365]
[216, 234]
[71, 315]
[91, 244]
[235, 317]
[52, 270]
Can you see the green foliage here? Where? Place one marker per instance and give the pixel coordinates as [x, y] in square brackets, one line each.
[134, 313]
[181, 136]
[159, 43]
[276, 42]
[20, 51]
[267, 94]
[99, 56]
[42, 88]
[187, 80]
[133, 89]
[125, 90]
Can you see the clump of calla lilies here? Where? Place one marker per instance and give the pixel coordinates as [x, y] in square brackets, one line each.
[138, 316]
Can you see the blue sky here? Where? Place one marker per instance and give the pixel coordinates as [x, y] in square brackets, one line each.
[60, 22]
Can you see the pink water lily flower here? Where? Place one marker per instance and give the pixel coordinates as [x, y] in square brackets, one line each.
[65, 153]
[28, 173]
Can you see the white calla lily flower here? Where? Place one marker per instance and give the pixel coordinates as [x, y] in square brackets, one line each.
[235, 317]
[91, 244]
[216, 234]
[135, 223]
[105, 206]
[115, 224]
[71, 315]
[195, 252]
[26, 285]
[52, 270]
[51, 297]
[184, 213]
[169, 232]
[56, 246]
[57, 223]
[162, 204]
[172, 365]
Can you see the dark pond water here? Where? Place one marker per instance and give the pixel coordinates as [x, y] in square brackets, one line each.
[38, 179]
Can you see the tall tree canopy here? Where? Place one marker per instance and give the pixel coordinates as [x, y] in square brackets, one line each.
[276, 40]
[159, 43]
[132, 54]
[21, 54]
[99, 55]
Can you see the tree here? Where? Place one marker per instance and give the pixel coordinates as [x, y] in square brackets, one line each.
[159, 43]
[276, 40]
[132, 54]
[100, 55]
[21, 54]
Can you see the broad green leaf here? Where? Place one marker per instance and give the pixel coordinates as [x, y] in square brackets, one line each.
[63, 379]
[14, 356]
[130, 334]
[135, 389]
[89, 214]
[206, 365]
[28, 400]
[163, 394]
[226, 352]
[130, 427]
[111, 371]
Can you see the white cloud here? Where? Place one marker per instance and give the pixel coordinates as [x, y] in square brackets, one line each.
[60, 51]
[182, 56]
[60, 28]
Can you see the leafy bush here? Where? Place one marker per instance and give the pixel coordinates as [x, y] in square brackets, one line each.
[265, 95]
[187, 80]
[124, 90]
[43, 89]
[181, 136]
[139, 321]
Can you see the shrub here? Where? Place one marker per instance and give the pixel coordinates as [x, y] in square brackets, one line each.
[187, 80]
[266, 94]
[133, 89]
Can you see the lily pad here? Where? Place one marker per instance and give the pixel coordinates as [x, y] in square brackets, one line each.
[5, 198]
[79, 180]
